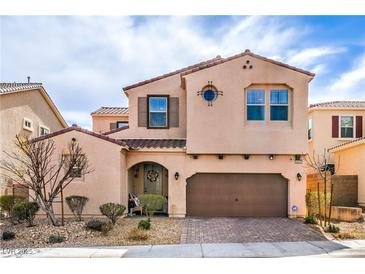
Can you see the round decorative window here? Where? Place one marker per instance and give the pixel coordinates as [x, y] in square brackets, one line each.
[209, 93]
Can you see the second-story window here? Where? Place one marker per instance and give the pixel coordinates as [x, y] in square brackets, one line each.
[121, 124]
[279, 105]
[158, 111]
[256, 104]
[347, 126]
[43, 130]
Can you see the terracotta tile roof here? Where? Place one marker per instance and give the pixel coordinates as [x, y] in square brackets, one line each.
[154, 143]
[75, 127]
[115, 130]
[339, 104]
[172, 73]
[349, 143]
[14, 87]
[216, 61]
[111, 110]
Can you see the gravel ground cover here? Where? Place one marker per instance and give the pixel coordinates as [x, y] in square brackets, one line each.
[163, 231]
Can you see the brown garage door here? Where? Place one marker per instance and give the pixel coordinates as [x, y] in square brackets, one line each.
[227, 194]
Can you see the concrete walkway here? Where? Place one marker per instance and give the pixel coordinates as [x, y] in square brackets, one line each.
[353, 248]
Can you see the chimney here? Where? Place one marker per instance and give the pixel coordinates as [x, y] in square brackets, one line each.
[28, 79]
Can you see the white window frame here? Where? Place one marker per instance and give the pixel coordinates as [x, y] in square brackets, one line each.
[25, 120]
[279, 105]
[259, 105]
[44, 127]
[126, 122]
[353, 127]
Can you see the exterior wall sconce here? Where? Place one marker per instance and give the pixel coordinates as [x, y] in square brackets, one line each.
[195, 156]
[220, 156]
[271, 156]
[177, 175]
[299, 176]
[246, 156]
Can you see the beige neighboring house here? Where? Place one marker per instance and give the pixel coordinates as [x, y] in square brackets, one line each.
[351, 159]
[108, 118]
[224, 137]
[26, 109]
[334, 123]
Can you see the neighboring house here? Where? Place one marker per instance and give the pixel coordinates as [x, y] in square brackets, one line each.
[334, 123]
[26, 109]
[350, 160]
[224, 137]
[109, 118]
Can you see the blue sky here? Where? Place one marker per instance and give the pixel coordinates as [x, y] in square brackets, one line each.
[84, 62]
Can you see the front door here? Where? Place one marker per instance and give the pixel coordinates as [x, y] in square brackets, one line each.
[153, 179]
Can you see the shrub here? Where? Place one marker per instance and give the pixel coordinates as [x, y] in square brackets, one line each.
[76, 205]
[310, 220]
[333, 229]
[95, 225]
[55, 239]
[112, 211]
[137, 234]
[152, 202]
[25, 211]
[144, 224]
[7, 203]
[311, 200]
[8, 235]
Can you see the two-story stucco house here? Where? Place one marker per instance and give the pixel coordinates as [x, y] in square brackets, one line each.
[26, 109]
[224, 137]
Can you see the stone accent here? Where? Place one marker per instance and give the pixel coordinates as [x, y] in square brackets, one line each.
[345, 188]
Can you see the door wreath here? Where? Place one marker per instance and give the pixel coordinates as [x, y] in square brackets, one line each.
[152, 176]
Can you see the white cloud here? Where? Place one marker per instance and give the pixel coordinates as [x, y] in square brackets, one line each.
[80, 118]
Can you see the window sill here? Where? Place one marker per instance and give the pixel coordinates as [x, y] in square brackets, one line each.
[28, 129]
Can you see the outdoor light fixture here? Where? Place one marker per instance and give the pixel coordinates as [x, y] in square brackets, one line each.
[195, 156]
[177, 175]
[246, 156]
[271, 156]
[299, 176]
[220, 156]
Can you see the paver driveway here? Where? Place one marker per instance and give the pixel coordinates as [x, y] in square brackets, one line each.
[242, 230]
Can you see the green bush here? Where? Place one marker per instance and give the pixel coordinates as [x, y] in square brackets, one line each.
[76, 205]
[152, 202]
[333, 229]
[95, 225]
[7, 203]
[112, 211]
[8, 235]
[25, 211]
[311, 200]
[55, 239]
[310, 220]
[145, 224]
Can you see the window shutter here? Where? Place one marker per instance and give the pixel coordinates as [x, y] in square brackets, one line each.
[174, 112]
[358, 126]
[142, 111]
[113, 126]
[335, 126]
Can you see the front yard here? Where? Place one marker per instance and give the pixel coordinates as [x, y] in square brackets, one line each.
[163, 231]
[348, 231]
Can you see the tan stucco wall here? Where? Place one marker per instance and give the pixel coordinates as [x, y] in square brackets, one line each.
[322, 128]
[14, 107]
[108, 181]
[351, 161]
[223, 128]
[170, 86]
[101, 123]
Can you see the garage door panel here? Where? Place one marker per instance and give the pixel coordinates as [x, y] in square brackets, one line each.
[210, 194]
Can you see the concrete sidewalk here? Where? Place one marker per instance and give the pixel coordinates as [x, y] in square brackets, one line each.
[353, 248]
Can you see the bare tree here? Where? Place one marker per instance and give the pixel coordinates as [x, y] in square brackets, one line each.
[34, 166]
[322, 165]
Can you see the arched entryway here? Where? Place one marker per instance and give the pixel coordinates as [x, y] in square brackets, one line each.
[148, 178]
